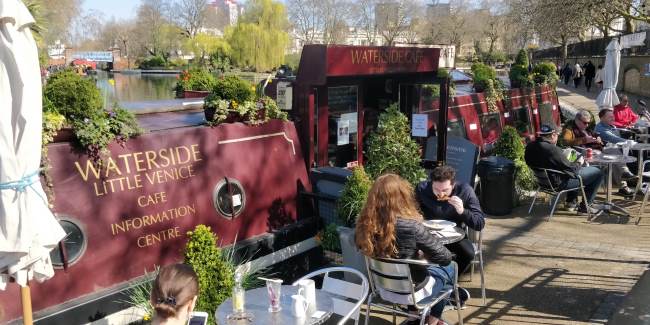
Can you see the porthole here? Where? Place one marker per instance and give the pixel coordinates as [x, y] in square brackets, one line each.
[74, 244]
[229, 198]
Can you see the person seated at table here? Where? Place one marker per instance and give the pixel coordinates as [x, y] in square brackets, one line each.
[576, 133]
[390, 225]
[544, 153]
[174, 294]
[441, 197]
[624, 116]
[610, 134]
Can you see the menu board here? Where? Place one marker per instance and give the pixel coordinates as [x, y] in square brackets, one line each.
[461, 154]
[342, 98]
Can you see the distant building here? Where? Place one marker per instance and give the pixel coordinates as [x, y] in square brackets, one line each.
[56, 51]
[221, 14]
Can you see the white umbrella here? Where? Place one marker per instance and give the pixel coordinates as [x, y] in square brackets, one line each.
[28, 229]
[607, 97]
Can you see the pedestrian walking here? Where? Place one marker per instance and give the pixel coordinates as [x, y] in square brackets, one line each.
[599, 77]
[577, 75]
[590, 73]
[566, 73]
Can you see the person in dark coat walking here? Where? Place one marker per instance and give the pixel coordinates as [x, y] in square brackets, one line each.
[567, 73]
[590, 73]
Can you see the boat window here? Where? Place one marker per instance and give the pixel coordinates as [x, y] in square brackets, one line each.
[342, 104]
[546, 113]
[521, 121]
[227, 194]
[74, 243]
[456, 128]
[490, 127]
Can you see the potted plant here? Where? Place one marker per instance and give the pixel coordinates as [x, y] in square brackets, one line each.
[353, 196]
[391, 148]
[510, 145]
[329, 239]
[195, 83]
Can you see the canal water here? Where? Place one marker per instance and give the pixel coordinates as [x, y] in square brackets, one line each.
[135, 87]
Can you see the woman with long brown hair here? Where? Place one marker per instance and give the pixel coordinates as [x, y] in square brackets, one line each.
[174, 294]
[390, 225]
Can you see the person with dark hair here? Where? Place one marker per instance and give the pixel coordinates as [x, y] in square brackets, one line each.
[567, 73]
[441, 197]
[174, 294]
[544, 153]
[590, 73]
[390, 225]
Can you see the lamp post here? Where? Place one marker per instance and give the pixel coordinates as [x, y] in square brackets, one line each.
[443, 114]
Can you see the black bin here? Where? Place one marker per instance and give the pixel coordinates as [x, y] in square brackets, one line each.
[497, 185]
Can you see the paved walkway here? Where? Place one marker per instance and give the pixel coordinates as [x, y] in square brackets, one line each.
[581, 99]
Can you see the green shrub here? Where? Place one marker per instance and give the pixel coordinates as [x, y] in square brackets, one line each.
[195, 79]
[73, 96]
[511, 146]
[216, 277]
[353, 196]
[177, 63]
[431, 91]
[519, 76]
[234, 88]
[544, 73]
[330, 238]
[153, 62]
[122, 123]
[481, 73]
[522, 58]
[391, 148]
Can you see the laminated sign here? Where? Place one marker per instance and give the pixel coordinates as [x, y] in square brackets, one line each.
[343, 131]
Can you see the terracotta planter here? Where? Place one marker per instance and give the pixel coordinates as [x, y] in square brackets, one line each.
[195, 93]
[64, 135]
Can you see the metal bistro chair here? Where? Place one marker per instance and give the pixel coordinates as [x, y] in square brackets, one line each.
[394, 276]
[645, 187]
[477, 241]
[348, 296]
[545, 185]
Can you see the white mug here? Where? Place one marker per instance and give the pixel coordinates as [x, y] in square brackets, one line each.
[299, 305]
[308, 289]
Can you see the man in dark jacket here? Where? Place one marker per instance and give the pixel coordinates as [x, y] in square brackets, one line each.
[544, 153]
[590, 73]
[442, 197]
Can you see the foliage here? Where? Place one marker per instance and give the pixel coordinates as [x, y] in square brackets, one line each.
[259, 39]
[204, 45]
[481, 73]
[330, 238]
[195, 79]
[519, 77]
[216, 277]
[493, 92]
[431, 91]
[139, 296]
[544, 73]
[253, 112]
[52, 123]
[153, 62]
[353, 196]
[292, 60]
[177, 63]
[73, 96]
[391, 148]
[522, 58]
[511, 146]
[233, 88]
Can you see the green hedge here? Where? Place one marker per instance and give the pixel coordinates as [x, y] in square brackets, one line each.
[72, 96]
[233, 88]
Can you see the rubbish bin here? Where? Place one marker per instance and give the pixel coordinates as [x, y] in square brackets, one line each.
[497, 185]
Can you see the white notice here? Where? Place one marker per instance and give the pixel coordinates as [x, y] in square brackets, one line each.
[420, 125]
[343, 130]
[284, 94]
[352, 120]
[236, 200]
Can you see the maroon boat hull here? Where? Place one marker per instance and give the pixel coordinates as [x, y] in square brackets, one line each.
[136, 213]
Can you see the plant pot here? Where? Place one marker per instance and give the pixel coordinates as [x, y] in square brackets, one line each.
[64, 135]
[333, 257]
[195, 93]
[209, 113]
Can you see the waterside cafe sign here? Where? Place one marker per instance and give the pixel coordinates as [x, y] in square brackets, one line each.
[349, 61]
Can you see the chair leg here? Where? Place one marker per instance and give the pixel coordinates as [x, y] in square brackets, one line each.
[557, 198]
[368, 309]
[642, 207]
[584, 198]
[423, 315]
[533, 203]
[394, 315]
[480, 259]
[457, 296]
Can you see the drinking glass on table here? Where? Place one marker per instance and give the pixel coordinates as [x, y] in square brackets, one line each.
[273, 287]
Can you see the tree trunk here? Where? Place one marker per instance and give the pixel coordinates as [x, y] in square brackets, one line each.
[565, 49]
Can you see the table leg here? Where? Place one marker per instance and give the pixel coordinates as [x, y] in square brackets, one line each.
[609, 183]
[639, 174]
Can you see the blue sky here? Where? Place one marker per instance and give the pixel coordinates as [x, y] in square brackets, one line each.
[120, 9]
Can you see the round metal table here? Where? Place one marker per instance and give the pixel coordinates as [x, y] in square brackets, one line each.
[447, 238]
[641, 148]
[257, 303]
[615, 160]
